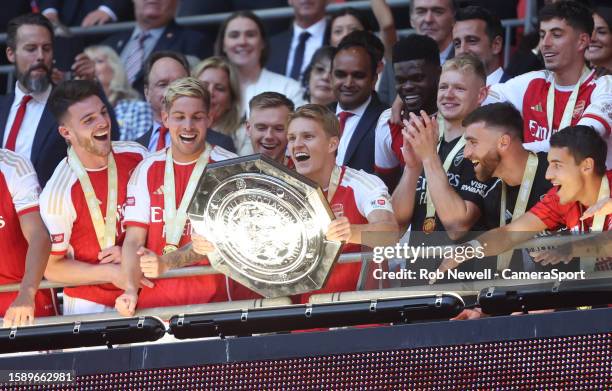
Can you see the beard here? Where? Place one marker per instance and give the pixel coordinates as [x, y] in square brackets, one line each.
[488, 165]
[35, 84]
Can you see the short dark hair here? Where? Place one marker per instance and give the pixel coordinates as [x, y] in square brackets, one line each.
[366, 40]
[582, 142]
[262, 31]
[34, 19]
[498, 115]
[576, 14]
[269, 100]
[70, 92]
[416, 47]
[493, 24]
[454, 4]
[158, 55]
[355, 13]
[605, 13]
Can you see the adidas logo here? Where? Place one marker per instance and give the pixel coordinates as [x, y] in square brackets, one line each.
[159, 191]
[537, 108]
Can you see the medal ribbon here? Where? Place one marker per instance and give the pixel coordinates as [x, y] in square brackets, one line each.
[503, 260]
[334, 181]
[588, 264]
[431, 209]
[566, 119]
[105, 231]
[175, 219]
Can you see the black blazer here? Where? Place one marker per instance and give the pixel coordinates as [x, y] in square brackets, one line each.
[48, 147]
[72, 12]
[174, 37]
[279, 51]
[360, 151]
[212, 136]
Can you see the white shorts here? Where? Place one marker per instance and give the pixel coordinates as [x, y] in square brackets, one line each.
[76, 306]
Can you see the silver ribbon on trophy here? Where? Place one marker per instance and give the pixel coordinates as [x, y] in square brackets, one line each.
[267, 223]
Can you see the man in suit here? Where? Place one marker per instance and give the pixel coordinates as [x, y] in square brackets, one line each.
[26, 125]
[155, 30]
[291, 51]
[435, 18]
[161, 69]
[353, 80]
[479, 32]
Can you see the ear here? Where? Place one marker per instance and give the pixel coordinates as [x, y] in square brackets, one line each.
[587, 165]
[497, 45]
[10, 54]
[64, 132]
[504, 142]
[247, 126]
[333, 144]
[482, 94]
[584, 40]
[146, 93]
[164, 118]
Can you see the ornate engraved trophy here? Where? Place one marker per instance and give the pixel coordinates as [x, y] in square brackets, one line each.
[268, 225]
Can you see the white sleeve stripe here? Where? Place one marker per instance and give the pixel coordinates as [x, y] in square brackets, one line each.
[361, 177]
[58, 188]
[15, 161]
[129, 146]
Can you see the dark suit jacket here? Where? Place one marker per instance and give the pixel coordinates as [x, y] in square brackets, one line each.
[279, 51]
[48, 147]
[72, 12]
[174, 37]
[212, 136]
[360, 152]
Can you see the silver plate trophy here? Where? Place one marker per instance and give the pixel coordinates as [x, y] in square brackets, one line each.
[267, 223]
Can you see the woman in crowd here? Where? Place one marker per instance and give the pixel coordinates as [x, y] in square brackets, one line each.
[129, 109]
[242, 39]
[316, 79]
[221, 80]
[600, 48]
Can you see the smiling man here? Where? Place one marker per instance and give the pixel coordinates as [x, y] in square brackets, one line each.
[417, 72]
[82, 202]
[155, 210]
[566, 93]
[577, 171]
[435, 18]
[313, 140]
[267, 125]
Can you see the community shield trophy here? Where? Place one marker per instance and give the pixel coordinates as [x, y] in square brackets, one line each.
[267, 223]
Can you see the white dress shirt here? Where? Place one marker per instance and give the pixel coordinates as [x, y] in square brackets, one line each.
[155, 136]
[270, 81]
[444, 53]
[349, 129]
[33, 113]
[315, 41]
[495, 76]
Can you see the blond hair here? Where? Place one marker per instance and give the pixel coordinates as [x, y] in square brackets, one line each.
[320, 114]
[229, 122]
[466, 62]
[185, 87]
[119, 87]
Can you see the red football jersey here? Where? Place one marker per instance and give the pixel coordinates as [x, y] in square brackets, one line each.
[388, 145]
[19, 190]
[65, 212]
[360, 194]
[557, 216]
[529, 94]
[145, 208]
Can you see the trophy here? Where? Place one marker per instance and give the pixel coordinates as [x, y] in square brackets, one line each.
[267, 223]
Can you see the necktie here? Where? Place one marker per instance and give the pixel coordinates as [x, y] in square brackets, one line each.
[12, 137]
[135, 58]
[343, 116]
[298, 59]
[161, 141]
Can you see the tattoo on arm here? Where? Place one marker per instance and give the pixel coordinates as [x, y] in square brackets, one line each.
[184, 256]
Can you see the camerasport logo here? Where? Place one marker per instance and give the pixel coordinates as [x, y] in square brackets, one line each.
[57, 238]
[130, 201]
[2, 222]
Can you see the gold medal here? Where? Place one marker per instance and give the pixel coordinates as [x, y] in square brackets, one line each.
[169, 248]
[429, 225]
